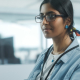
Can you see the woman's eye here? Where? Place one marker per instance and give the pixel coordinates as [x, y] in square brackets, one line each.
[52, 16]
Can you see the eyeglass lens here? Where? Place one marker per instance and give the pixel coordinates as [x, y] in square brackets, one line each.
[48, 17]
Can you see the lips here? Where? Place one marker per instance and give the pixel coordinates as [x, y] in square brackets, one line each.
[46, 29]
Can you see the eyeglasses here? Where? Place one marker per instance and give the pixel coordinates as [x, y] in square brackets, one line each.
[48, 17]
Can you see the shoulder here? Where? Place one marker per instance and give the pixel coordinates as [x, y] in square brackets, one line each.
[42, 54]
[78, 48]
[78, 51]
[76, 56]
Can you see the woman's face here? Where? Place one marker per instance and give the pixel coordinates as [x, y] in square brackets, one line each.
[52, 28]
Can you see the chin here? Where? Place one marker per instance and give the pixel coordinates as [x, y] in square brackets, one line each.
[49, 36]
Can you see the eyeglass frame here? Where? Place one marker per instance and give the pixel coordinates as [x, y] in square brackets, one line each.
[61, 15]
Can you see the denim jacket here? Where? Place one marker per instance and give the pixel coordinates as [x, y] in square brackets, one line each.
[67, 67]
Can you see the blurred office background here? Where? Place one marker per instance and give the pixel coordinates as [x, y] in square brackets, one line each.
[21, 39]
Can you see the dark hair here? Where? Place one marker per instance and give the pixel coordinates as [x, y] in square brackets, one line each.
[64, 7]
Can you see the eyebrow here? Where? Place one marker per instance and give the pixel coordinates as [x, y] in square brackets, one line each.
[48, 12]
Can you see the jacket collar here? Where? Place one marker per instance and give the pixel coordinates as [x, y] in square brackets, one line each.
[66, 57]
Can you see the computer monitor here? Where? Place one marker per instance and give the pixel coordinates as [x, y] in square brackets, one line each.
[7, 50]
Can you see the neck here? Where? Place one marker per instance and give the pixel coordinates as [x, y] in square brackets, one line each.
[60, 44]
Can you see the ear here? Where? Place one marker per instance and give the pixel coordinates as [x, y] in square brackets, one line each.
[68, 21]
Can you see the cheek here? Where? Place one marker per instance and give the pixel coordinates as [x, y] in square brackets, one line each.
[58, 24]
[57, 28]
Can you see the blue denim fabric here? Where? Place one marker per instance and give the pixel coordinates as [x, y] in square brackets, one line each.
[67, 68]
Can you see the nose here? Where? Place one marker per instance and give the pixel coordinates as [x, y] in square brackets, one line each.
[44, 22]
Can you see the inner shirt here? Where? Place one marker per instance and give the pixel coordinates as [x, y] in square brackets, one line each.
[51, 59]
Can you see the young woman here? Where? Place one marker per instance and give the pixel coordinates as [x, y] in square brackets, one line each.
[61, 61]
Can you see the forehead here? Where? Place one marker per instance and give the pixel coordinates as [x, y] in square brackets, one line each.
[47, 8]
